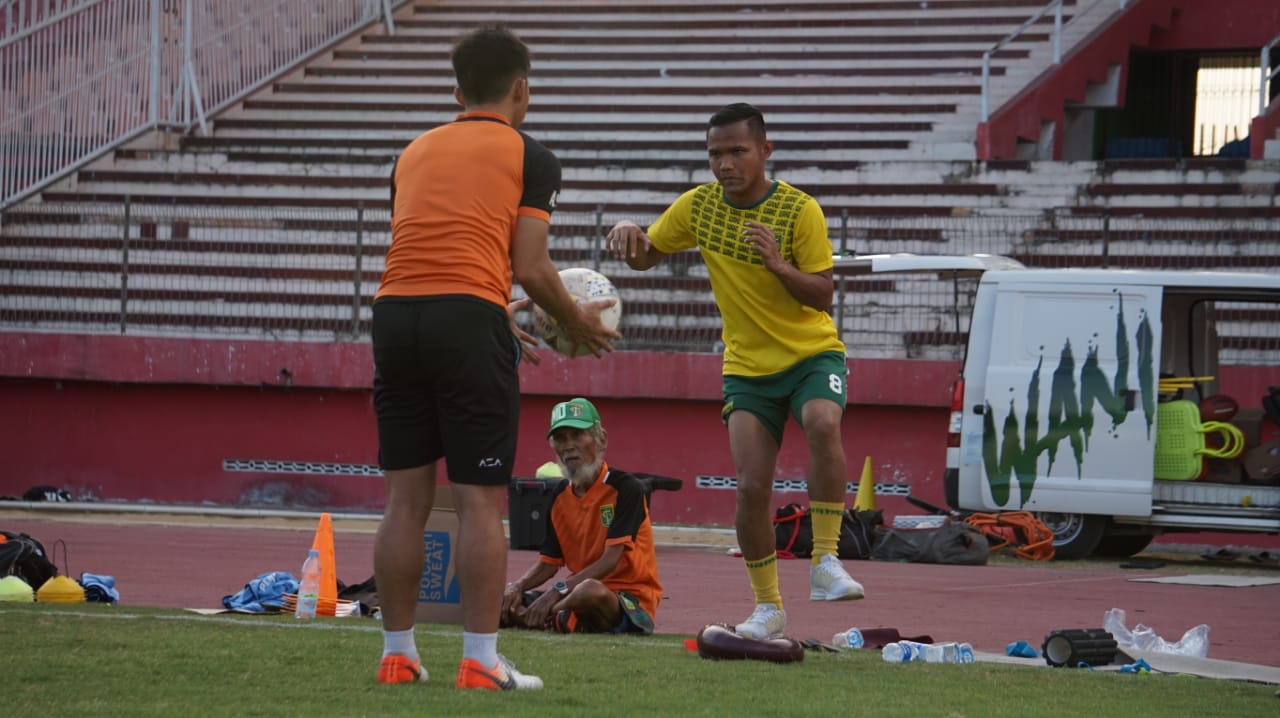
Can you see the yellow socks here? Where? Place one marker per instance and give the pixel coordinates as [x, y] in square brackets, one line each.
[826, 527]
[763, 573]
[764, 579]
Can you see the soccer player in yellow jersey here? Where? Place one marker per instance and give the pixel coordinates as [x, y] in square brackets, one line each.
[766, 250]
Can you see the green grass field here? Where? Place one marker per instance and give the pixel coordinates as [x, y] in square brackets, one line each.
[99, 660]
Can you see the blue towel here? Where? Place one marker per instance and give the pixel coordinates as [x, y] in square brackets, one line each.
[1021, 649]
[99, 589]
[264, 594]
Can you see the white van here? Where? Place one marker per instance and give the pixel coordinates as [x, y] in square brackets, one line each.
[1056, 408]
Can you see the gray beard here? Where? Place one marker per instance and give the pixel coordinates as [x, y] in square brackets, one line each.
[585, 475]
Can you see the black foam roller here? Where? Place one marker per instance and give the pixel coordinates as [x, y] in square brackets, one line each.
[1077, 646]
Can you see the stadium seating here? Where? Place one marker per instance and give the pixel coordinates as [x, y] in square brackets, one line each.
[269, 225]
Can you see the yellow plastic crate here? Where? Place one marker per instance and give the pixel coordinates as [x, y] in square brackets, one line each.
[1180, 441]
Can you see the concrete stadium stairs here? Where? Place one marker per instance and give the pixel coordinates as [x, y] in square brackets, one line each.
[871, 106]
[617, 91]
[1029, 113]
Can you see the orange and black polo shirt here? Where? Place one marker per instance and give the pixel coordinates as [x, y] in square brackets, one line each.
[456, 192]
[612, 512]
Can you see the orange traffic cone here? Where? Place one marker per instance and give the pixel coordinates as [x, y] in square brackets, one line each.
[328, 569]
[865, 500]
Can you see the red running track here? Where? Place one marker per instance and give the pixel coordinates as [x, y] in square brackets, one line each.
[194, 562]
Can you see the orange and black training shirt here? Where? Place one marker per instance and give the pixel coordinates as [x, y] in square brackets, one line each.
[456, 192]
[612, 512]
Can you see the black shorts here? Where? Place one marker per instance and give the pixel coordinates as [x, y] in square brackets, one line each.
[445, 384]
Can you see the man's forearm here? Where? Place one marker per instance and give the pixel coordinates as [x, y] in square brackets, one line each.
[811, 290]
[536, 576]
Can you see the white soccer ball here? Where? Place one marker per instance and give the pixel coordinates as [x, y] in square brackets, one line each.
[584, 285]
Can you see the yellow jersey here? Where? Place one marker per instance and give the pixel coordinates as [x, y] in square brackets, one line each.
[766, 330]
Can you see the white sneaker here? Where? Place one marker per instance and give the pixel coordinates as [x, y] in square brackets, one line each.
[767, 621]
[828, 581]
[502, 677]
[517, 680]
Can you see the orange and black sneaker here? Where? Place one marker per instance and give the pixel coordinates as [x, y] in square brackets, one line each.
[502, 677]
[397, 668]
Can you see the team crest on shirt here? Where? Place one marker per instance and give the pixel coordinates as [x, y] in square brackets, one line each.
[606, 515]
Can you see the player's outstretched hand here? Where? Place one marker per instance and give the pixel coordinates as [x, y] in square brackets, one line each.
[626, 239]
[528, 343]
[591, 332]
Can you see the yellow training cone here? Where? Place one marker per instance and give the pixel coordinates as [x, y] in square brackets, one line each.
[866, 498]
[60, 589]
[13, 588]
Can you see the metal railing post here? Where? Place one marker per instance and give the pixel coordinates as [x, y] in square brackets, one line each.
[986, 86]
[844, 281]
[188, 90]
[1265, 74]
[386, 15]
[1106, 237]
[844, 231]
[955, 303]
[189, 70]
[153, 99]
[599, 238]
[1057, 32]
[359, 275]
[124, 267]
[1262, 80]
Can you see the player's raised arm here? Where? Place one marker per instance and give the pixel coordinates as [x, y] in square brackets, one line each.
[533, 268]
[629, 242]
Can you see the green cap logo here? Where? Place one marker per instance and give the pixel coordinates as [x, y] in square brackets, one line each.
[577, 413]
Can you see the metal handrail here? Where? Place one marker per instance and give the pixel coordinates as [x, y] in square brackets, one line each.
[373, 7]
[1264, 76]
[28, 17]
[1056, 7]
[91, 74]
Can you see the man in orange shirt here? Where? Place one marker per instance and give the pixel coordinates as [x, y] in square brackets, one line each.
[599, 529]
[471, 206]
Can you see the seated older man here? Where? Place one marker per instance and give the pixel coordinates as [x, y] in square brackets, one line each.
[598, 529]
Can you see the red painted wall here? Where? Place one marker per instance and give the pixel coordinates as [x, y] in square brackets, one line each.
[124, 418]
[147, 419]
[1220, 25]
[166, 443]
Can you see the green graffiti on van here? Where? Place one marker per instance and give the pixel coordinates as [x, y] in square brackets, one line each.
[1015, 450]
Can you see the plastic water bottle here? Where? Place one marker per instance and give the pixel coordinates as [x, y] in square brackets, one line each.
[905, 651]
[902, 652]
[309, 589]
[949, 652]
[851, 638]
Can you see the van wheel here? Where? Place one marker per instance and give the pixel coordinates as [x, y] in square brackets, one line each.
[1122, 545]
[1074, 535]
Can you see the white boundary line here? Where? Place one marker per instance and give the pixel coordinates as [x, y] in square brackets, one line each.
[144, 513]
[656, 641]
